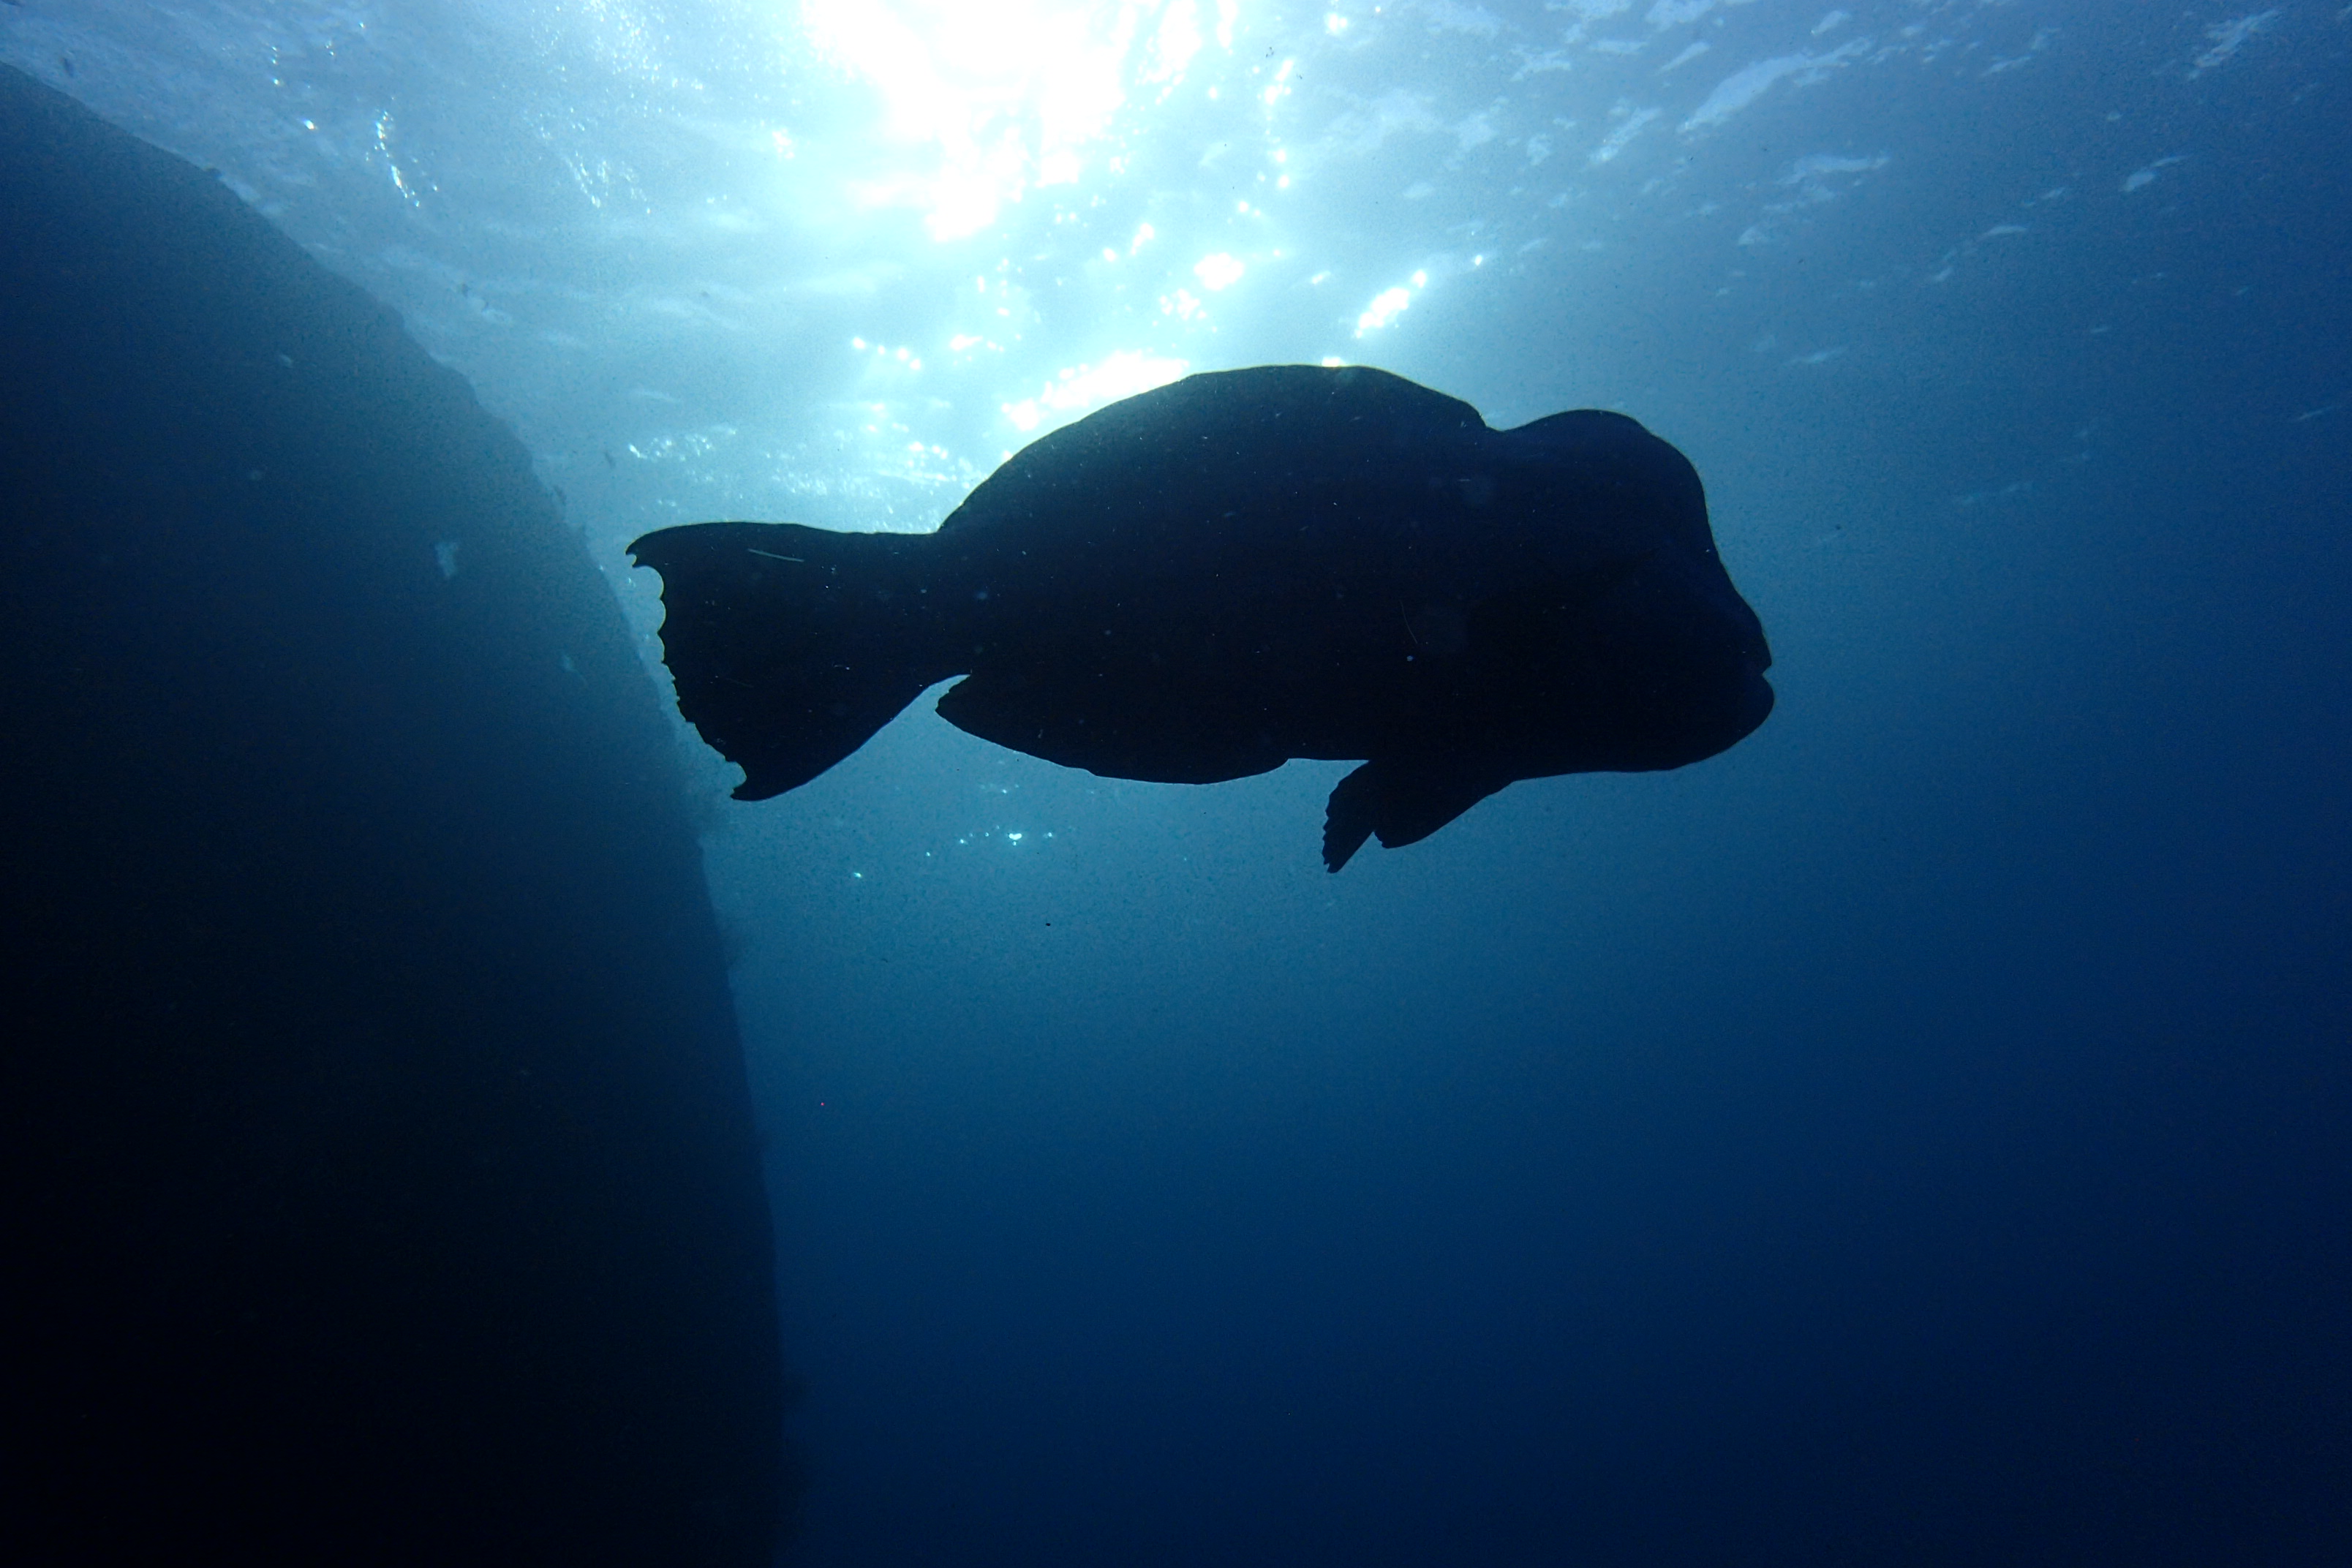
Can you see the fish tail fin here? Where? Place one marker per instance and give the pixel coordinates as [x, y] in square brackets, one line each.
[792, 646]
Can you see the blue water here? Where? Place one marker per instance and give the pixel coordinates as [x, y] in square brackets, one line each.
[1921, 1134]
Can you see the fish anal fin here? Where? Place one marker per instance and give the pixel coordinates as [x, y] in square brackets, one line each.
[1402, 802]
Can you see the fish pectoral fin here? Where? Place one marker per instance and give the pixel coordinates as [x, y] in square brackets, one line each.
[1348, 820]
[1401, 801]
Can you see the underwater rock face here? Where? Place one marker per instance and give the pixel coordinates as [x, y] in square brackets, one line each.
[381, 1178]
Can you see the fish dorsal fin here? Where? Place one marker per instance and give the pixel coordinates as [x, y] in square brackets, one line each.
[1403, 801]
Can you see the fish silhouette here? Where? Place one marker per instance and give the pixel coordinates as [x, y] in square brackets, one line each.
[1202, 581]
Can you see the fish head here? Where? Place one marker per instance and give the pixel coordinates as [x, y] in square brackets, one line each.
[1633, 650]
[1637, 663]
[1676, 659]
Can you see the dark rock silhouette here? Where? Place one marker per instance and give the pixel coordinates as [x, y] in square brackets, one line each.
[382, 1184]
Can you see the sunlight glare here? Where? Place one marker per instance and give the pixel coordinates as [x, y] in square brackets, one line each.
[1217, 271]
[1081, 388]
[1008, 94]
[1385, 308]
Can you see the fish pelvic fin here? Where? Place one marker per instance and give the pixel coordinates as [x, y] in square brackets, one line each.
[792, 645]
[1401, 801]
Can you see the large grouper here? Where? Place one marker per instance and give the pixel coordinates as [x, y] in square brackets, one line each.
[1202, 581]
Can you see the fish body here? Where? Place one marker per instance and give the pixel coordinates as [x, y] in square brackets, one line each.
[1205, 580]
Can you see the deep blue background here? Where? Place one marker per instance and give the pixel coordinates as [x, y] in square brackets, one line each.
[1917, 1136]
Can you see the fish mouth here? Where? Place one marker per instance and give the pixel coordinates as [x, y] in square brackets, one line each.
[1737, 697]
[1713, 712]
[1742, 698]
[1757, 699]
[1715, 700]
